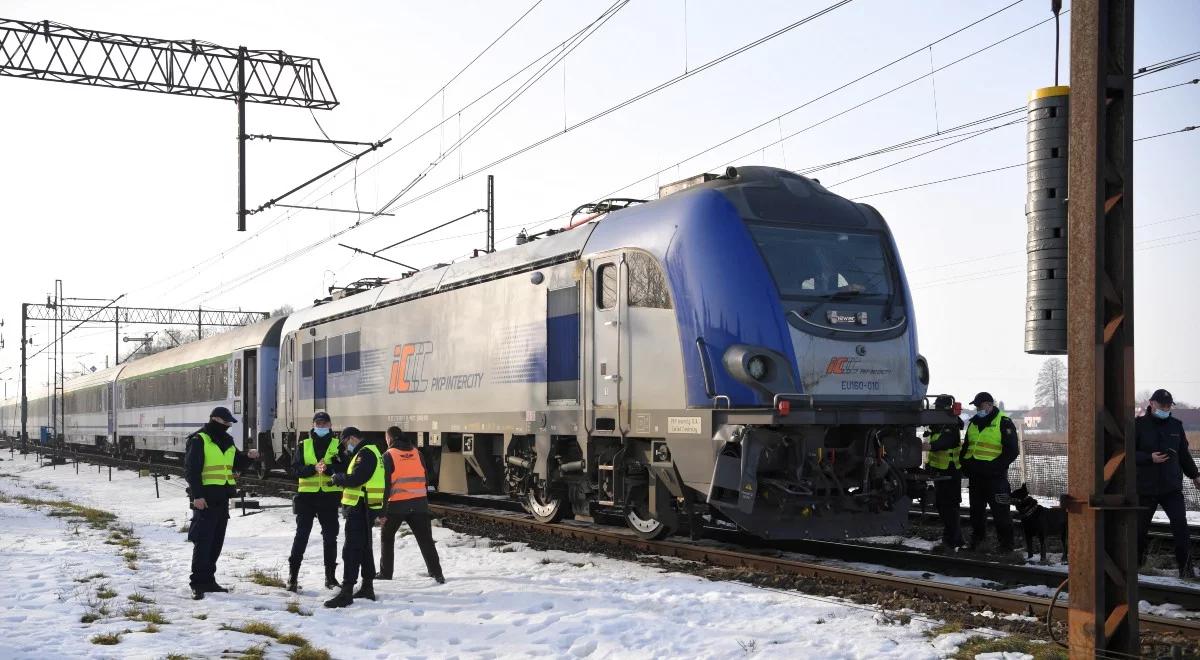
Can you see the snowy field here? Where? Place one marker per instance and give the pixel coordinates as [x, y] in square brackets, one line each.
[500, 600]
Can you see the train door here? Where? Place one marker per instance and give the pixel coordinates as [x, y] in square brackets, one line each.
[605, 309]
[320, 374]
[250, 398]
[289, 384]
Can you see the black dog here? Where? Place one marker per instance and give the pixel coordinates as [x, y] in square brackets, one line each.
[1037, 520]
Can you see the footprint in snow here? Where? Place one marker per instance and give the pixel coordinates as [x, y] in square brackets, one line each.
[584, 649]
[486, 615]
[454, 641]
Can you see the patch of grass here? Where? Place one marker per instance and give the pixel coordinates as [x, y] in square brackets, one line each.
[1011, 644]
[139, 597]
[944, 629]
[293, 606]
[129, 555]
[201, 617]
[93, 576]
[254, 628]
[106, 639]
[147, 615]
[176, 656]
[309, 653]
[150, 628]
[748, 646]
[256, 652]
[292, 639]
[106, 592]
[266, 578]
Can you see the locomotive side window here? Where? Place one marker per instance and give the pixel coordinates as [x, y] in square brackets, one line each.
[647, 283]
[306, 360]
[352, 361]
[606, 286]
[335, 354]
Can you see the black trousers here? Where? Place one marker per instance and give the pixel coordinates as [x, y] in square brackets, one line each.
[207, 534]
[947, 496]
[358, 555]
[1172, 504]
[329, 535]
[422, 530]
[990, 492]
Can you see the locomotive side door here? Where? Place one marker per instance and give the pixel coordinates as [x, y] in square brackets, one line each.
[289, 384]
[606, 301]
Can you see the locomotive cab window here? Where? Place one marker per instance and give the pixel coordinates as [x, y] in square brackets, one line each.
[606, 286]
[647, 283]
[809, 263]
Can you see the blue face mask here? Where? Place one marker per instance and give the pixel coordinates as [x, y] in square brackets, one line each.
[981, 413]
[1162, 414]
[320, 433]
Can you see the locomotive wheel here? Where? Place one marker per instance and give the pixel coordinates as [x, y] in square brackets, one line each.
[545, 507]
[638, 518]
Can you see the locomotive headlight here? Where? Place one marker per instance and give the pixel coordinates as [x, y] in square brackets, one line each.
[757, 367]
[922, 370]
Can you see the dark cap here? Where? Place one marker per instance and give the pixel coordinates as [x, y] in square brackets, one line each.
[1162, 398]
[982, 397]
[322, 416]
[943, 402]
[351, 432]
[222, 413]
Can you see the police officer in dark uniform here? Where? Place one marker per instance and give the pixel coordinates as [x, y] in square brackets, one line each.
[943, 446]
[407, 501]
[1163, 460]
[991, 446]
[209, 461]
[316, 497]
[362, 500]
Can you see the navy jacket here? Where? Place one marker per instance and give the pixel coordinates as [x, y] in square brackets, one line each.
[1166, 436]
[951, 437]
[1009, 448]
[193, 463]
[311, 502]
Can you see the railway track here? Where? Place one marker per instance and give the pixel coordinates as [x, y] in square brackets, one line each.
[773, 560]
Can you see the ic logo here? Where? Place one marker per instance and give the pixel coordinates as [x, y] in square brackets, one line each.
[860, 350]
[408, 367]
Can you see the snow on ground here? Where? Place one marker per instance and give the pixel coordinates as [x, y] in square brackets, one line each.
[500, 600]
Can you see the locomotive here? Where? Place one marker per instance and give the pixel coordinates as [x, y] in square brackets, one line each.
[739, 353]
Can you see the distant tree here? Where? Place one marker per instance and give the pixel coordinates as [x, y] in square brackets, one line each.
[1051, 390]
[282, 311]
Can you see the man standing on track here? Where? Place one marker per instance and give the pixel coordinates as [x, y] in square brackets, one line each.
[316, 497]
[407, 500]
[209, 462]
[991, 446]
[362, 485]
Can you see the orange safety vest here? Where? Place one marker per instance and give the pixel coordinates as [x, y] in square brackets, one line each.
[407, 479]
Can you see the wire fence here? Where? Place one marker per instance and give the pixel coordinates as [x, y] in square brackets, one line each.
[1042, 466]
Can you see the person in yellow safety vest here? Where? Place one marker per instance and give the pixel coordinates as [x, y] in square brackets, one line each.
[943, 445]
[316, 497]
[407, 500]
[362, 484]
[991, 446]
[209, 463]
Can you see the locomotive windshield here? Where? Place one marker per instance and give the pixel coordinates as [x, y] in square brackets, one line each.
[823, 264]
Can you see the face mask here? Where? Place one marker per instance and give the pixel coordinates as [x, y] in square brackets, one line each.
[1162, 414]
[351, 444]
[981, 413]
[321, 433]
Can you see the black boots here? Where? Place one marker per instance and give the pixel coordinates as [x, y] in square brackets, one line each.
[293, 584]
[331, 581]
[367, 590]
[439, 579]
[342, 599]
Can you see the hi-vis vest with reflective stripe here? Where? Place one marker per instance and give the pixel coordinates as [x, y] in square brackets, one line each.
[373, 487]
[218, 465]
[984, 445]
[318, 482]
[942, 459]
[408, 475]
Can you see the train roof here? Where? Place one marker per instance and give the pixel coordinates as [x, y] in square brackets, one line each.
[263, 333]
[92, 379]
[545, 250]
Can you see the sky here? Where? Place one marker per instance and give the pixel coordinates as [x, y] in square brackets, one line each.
[121, 192]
